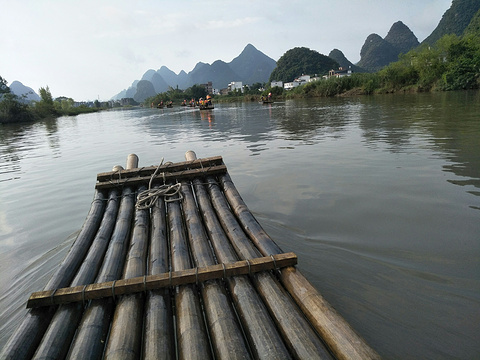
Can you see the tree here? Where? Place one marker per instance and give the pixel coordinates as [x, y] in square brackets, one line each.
[45, 107]
[4, 89]
[46, 96]
[463, 65]
[11, 109]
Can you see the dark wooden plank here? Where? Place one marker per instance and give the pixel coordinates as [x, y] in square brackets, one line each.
[158, 281]
[170, 167]
[161, 178]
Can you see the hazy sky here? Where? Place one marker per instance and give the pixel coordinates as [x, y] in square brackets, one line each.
[91, 50]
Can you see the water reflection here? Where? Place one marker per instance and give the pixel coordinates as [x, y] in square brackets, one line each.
[446, 123]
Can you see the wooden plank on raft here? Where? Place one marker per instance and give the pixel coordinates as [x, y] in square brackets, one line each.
[168, 167]
[162, 177]
[151, 282]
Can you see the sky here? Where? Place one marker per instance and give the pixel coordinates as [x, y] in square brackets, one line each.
[93, 49]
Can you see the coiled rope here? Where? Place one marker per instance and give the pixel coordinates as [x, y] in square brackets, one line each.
[147, 198]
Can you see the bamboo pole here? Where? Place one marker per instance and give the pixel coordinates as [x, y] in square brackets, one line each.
[264, 339]
[158, 329]
[300, 338]
[192, 338]
[339, 336]
[93, 329]
[57, 339]
[225, 332]
[124, 341]
[24, 341]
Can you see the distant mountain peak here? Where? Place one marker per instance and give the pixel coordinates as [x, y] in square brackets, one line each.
[24, 92]
[401, 37]
[340, 58]
[377, 52]
[250, 66]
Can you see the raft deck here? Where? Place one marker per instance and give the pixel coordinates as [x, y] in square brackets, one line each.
[170, 263]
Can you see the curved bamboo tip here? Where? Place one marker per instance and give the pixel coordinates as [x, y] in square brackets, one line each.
[132, 161]
[190, 155]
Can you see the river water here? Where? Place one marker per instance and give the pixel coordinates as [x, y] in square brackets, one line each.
[378, 196]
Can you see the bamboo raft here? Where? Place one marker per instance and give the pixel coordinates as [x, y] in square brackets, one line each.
[170, 263]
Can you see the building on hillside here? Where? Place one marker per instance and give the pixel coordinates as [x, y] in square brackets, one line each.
[276, 83]
[315, 78]
[290, 85]
[208, 87]
[341, 72]
[301, 80]
[235, 85]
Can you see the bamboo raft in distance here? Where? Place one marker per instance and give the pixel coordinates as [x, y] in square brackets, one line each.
[191, 276]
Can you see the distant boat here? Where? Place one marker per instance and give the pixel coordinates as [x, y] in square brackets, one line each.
[266, 100]
[206, 107]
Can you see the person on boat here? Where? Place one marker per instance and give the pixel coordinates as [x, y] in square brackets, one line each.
[209, 100]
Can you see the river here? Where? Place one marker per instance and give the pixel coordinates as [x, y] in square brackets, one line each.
[378, 196]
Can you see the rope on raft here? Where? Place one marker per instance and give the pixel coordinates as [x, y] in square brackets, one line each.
[147, 198]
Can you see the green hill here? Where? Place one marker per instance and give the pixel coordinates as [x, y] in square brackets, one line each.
[301, 61]
[474, 27]
[455, 20]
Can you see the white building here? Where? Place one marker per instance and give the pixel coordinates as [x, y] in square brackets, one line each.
[276, 83]
[235, 85]
[301, 80]
[290, 85]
